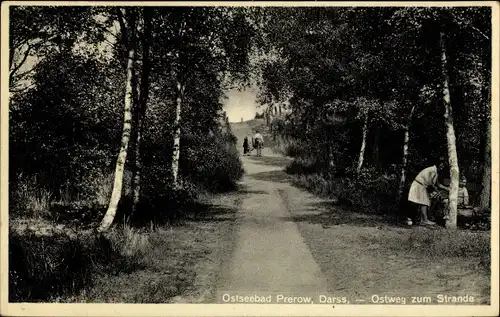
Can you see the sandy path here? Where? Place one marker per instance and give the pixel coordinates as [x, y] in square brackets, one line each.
[270, 254]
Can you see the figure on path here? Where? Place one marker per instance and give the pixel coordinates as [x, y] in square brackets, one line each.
[246, 146]
[425, 183]
[258, 142]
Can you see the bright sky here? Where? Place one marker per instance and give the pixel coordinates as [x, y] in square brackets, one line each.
[241, 104]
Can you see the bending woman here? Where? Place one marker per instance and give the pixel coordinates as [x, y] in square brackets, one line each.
[425, 182]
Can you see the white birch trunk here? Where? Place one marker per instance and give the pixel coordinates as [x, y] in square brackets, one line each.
[177, 137]
[363, 145]
[122, 156]
[451, 221]
[136, 178]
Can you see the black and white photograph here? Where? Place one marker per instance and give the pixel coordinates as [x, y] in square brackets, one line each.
[251, 158]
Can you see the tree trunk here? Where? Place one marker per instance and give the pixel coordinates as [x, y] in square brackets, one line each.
[143, 100]
[402, 179]
[177, 136]
[451, 221]
[127, 126]
[128, 183]
[485, 200]
[363, 145]
[485, 196]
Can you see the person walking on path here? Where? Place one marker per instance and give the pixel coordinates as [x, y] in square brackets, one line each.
[258, 142]
[425, 183]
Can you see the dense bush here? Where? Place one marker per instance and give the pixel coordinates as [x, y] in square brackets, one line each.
[212, 162]
[371, 190]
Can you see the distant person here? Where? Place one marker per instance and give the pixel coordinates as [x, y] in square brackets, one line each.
[246, 146]
[258, 142]
[425, 182]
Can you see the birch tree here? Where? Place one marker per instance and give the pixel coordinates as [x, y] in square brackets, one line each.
[363, 141]
[127, 125]
[194, 42]
[177, 134]
[451, 220]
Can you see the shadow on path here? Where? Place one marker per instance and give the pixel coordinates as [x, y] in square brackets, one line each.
[278, 176]
[258, 192]
[270, 160]
[211, 213]
[330, 214]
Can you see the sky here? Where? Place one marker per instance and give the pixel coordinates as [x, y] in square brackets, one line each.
[241, 104]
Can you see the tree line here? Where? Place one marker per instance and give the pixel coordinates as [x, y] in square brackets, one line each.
[123, 104]
[132, 92]
[377, 94]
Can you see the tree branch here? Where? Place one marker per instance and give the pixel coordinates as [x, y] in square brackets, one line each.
[471, 26]
[121, 21]
[13, 90]
[20, 76]
[102, 28]
[480, 32]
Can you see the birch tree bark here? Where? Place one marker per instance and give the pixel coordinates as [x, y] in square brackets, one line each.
[363, 144]
[451, 221]
[177, 135]
[127, 126]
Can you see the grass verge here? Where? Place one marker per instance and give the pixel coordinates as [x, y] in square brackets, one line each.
[375, 257]
[175, 263]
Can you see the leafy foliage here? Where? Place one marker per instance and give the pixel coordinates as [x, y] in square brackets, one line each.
[338, 65]
[65, 128]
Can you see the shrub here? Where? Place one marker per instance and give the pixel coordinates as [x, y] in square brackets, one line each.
[316, 183]
[212, 163]
[370, 190]
[302, 165]
[103, 186]
[28, 198]
[44, 267]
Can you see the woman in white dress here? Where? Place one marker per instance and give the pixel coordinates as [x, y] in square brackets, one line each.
[425, 182]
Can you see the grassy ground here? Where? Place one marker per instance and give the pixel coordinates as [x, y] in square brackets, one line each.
[175, 263]
[362, 254]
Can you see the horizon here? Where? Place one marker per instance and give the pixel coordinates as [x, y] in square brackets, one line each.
[242, 104]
